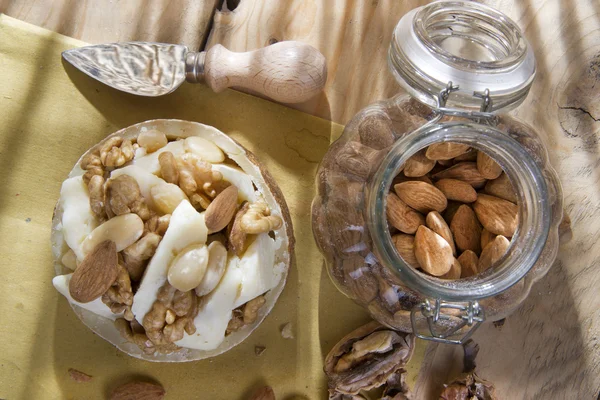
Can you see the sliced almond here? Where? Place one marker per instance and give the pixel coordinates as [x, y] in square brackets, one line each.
[138, 391]
[95, 274]
[497, 215]
[455, 271]
[432, 251]
[501, 187]
[421, 196]
[466, 229]
[405, 246]
[464, 171]
[401, 216]
[446, 151]
[468, 261]
[418, 165]
[486, 237]
[493, 252]
[486, 165]
[222, 209]
[436, 223]
[457, 190]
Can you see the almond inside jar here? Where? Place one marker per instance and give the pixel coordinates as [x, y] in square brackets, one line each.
[452, 211]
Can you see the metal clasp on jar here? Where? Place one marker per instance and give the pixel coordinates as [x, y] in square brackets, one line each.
[447, 327]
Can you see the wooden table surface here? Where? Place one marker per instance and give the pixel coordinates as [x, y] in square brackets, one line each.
[548, 349]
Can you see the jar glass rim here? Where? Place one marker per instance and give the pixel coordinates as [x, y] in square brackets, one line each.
[534, 211]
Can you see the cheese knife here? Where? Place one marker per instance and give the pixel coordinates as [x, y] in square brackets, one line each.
[288, 72]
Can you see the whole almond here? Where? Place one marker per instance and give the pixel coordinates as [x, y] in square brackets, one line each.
[418, 165]
[486, 165]
[455, 271]
[457, 190]
[421, 196]
[501, 187]
[446, 151]
[264, 393]
[466, 229]
[353, 159]
[432, 251]
[95, 274]
[486, 237]
[436, 223]
[138, 391]
[468, 261]
[451, 210]
[493, 252]
[376, 132]
[405, 246]
[497, 215]
[401, 216]
[221, 210]
[403, 178]
[464, 171]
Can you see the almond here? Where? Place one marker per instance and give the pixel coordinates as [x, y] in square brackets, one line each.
[457, 190]
[451, 210]
[446, 151]
[418, 165]
[486, 165]
[221, 210]
[95, 274]
[356, 159]
[497, 215]
[436, 223]
[455, 271]
[432, 251]
[464, 171]
[466, 229]
[138, 391]
[375, 131]
[486, 237]
[264, 393]
[403, 178]
[470, 155]
[401, 216]
[405, 246]
[501, 187]
[421, 196]
[468, 261]
[493, 252]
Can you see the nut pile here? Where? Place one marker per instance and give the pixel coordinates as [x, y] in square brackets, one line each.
[132, 224]
[451, 211]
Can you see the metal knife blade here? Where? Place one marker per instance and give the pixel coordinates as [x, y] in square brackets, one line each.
[141, 68]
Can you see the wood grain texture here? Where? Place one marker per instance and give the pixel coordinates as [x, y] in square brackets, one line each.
[101, 21]
[550, 347]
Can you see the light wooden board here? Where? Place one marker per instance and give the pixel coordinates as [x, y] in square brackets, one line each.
[550, 347]
[100, 21]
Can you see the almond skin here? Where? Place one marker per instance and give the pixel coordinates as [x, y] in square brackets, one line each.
[221, 210]
[486, 165]
[405, 246]
[95, 274]
[436, 223]
[446, 151]
[421, 196]
[464, 171]
[418, 165]
[501, 187]
[455, 271]
[457, 190]
[432, 251]
[401, 216]
[486, 237]
[466, 229]
[468, 261]
[138, 391]
[493, 252]
[497, 215]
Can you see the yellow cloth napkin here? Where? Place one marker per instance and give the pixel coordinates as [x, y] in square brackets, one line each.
[50, 113]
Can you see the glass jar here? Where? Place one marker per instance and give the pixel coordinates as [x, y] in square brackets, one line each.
[464, 65]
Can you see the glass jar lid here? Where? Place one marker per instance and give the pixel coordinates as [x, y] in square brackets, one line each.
[470, 49]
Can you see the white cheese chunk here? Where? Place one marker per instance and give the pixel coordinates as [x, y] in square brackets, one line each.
[61, 283]
[78, 220]
[150, 163]
[186, 227]
[240, 179]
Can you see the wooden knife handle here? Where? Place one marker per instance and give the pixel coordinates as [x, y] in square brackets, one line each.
[288, 72]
